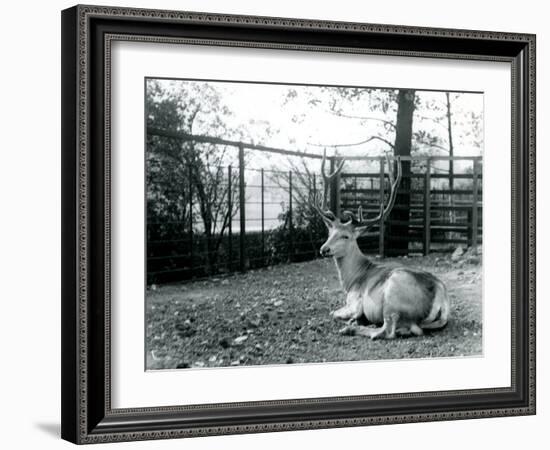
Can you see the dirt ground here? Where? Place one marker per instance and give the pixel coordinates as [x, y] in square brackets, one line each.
[280, 315]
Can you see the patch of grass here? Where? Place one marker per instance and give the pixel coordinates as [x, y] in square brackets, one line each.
[280, 315]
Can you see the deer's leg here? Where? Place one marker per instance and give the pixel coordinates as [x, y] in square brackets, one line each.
[387, 330]
[403, 332]
[391, 321]
[416, 330]
[343, 313]
[409, 329]
[351, 311]
[370, 332]
[350, 328]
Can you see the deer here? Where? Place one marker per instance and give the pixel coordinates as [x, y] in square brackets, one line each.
[395, 301]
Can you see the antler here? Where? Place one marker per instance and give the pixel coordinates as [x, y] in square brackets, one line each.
[321, 207]
[359, 220]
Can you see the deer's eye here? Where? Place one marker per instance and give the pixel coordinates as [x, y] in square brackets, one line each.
[345, 237]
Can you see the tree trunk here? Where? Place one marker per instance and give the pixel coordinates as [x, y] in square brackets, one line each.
[451, 146]
[451, 154]
[397, 235]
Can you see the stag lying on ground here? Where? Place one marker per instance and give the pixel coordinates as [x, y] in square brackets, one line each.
[398, 301]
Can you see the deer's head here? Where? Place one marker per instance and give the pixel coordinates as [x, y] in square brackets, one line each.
[343, 232]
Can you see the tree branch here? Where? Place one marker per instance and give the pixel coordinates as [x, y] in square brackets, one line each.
[372, 138]
[434, 120]
[350, 116]
[430, 144]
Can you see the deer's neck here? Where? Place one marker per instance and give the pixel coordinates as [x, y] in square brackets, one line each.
[353, 267]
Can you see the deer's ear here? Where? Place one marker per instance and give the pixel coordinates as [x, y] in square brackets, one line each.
[359, 231]
[327, 222]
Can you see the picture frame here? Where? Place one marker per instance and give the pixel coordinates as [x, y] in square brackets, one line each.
[88, 33]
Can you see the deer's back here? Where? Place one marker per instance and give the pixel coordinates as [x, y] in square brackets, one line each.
[408, 291]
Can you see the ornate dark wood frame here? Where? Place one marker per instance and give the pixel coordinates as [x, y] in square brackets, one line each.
[87, 33]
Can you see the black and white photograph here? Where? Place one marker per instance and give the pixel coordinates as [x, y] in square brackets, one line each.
[275, 225]
[296, 224]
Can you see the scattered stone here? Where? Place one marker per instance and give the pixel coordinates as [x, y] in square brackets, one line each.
[185, 329]
[235, 363]
[459, 251]
[473, 260]
[199, 364]
[278, 303]
[254, 323]
[239, 340]
[212, 359]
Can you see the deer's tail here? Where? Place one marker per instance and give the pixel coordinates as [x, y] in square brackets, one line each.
[439, 314]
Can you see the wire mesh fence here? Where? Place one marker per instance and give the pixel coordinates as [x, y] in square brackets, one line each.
[265, 220]
[209, 220]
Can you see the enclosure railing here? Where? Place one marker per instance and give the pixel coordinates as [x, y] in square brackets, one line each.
[266, 219]
[437, 215]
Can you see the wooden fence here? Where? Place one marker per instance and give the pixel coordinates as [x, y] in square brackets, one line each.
[445, 209]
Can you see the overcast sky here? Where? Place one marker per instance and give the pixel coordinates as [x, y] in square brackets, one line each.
[299, 125]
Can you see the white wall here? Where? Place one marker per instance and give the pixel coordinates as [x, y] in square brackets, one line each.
[30, 225]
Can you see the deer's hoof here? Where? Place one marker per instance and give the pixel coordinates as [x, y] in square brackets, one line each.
[347, 331]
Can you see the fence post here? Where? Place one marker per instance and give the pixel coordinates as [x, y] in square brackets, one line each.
[337, 192]
[427, 207]
[474, 203]
[332, 193]
[263, 218]
[335, 187]
[314, 199]
[190, 175]
[290, 237]
[242, 255]
[230, 214]
[314, 240]
[381, 224]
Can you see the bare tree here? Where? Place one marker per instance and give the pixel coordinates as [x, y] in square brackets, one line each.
[198, 170]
